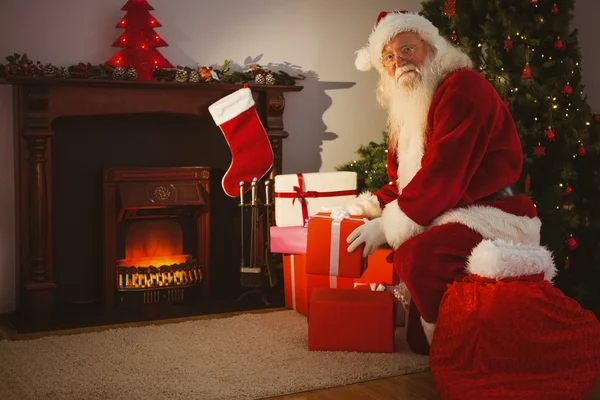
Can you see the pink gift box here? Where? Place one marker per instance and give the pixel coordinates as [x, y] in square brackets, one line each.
[288, 239]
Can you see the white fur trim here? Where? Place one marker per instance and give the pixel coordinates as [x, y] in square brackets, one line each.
[397, 226]
[429, 329]
[493, 223]
[497, 259]
[367, 204]
[363, 59]
[389, 26]
[231, 105]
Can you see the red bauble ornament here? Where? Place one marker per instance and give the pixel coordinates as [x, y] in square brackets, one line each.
[539, 150]
[449, 8]
[554, 9]
[567, 90]
[582, 150]
[527, 72]
[534, 1]
[508, 44]
[571, 243]
[569, 189]
[596, 118]
[549, 134]
[559, 44]
[454, 36]
[139, 41]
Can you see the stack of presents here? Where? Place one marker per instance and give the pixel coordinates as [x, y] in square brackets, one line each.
[351, 302]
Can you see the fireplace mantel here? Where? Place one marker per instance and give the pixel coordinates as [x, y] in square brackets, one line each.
[39, 101]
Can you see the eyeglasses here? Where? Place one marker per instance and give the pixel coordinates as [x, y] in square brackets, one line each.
[406, 53]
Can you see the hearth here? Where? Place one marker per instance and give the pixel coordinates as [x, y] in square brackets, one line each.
[157, 240]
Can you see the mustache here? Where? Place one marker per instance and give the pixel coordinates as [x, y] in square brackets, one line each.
[407, 68]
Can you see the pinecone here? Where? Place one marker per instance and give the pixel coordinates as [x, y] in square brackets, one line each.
[259, 79]
[131, 74]
[118, 73]
[270, 79]
[181, 75]
[63, 72]
[194, 76]
[50, 71]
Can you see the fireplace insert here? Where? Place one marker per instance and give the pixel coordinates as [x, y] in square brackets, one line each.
[156, 230]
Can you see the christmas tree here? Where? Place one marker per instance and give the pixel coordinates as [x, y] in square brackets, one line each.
[139, 41]
[528, 52]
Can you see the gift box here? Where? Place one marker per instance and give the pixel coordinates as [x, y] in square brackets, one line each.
[378, 269]
[351, 320]
[401, 298]
[328, 282]
[288, 240]
[299, 196]
[326, 249]
[295, 283]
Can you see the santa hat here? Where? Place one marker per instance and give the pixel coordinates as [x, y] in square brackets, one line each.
[388, 25]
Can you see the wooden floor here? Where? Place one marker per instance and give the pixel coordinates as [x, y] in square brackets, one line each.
[418, 386]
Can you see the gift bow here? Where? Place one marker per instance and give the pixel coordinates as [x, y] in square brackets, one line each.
[339, 213]
[302, 195]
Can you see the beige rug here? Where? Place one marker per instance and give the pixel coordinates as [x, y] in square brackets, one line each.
[248, 356]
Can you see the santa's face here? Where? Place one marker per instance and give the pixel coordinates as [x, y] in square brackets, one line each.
[403, 58]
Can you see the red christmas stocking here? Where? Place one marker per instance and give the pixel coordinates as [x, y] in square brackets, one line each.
[251, 152]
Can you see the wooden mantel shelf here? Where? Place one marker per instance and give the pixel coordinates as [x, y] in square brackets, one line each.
[39, 101]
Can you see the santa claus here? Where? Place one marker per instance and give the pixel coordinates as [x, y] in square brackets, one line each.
[454, 154]
[465, 244]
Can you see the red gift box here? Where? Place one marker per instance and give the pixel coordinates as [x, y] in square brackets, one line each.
[294, 283]
[325, 281]
[326, 249]
[378, 269]
[351, 320]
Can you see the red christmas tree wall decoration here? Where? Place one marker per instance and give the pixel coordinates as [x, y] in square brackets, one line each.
[139, 41]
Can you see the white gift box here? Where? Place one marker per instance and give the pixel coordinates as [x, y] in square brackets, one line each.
[299, 196]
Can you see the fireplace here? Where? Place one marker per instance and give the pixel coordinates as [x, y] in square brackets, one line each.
[152, 248]
[157, 234]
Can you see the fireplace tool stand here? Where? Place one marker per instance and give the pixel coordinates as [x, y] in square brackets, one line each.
[257, 272]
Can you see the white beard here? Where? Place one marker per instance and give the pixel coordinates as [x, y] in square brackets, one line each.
[409, 99]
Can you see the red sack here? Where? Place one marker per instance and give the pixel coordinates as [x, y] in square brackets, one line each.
[505, 332]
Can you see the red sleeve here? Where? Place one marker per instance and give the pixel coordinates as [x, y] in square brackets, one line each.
[389, 191]
[461, 110]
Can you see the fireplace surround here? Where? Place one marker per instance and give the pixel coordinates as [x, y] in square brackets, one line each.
[38, 103]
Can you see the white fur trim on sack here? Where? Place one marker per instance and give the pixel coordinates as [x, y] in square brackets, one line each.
[231, 105]
[366, 204]
[493, 223]
[388, 27]
[397, 226]
[497, 259]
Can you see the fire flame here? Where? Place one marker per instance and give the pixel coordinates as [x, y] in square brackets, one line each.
[153, 243]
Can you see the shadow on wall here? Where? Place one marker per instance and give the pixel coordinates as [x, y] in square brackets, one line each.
[303, 115]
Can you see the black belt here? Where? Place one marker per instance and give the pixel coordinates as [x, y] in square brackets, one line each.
[509, 191]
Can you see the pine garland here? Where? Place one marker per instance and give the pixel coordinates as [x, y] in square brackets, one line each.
[19, 65]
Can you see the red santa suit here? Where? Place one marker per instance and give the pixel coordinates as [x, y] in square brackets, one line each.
[458, 195]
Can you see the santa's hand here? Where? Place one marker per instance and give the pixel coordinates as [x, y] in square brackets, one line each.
[370, 233]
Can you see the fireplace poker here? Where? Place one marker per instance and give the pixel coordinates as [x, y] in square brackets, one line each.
[242, 213]
[267, 233]
[251, 276]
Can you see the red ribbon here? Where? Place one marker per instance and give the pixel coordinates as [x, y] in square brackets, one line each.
[300, 194]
